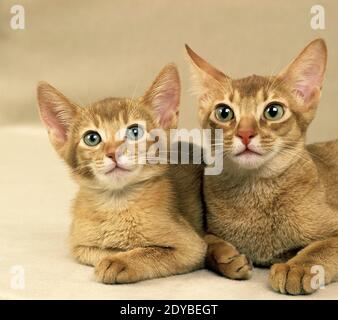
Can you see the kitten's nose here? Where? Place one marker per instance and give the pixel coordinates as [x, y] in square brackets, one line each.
[111, 155]
[246, 135]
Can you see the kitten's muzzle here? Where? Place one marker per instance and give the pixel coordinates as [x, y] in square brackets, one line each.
[246, 135]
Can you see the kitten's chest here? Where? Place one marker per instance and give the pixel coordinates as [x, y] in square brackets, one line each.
[263, 238]
[121, 221]
[257, 221]
[121, 228]
[124, 230]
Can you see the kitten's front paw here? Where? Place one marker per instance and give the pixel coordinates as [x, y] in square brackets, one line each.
[226, 260]
[291, 279]
[114, 270]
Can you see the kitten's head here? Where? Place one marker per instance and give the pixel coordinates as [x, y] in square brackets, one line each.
[101, 142]
[262, 118]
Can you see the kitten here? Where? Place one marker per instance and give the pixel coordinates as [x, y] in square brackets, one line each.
[276, 196]
[130, 221]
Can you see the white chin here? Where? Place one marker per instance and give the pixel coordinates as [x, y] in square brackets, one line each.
[116, 179]
[118, 173]
[249, 161]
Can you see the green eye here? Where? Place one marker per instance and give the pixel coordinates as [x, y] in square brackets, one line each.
[91, 138]
[274, 111]
[223, 112]
[134, 132]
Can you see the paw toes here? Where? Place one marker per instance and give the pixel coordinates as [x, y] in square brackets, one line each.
[278, 276]
[291, 279]
[238, 267]
[294, 280]
[223, 258]
[222, 252]
[107, 270]
[307, 283]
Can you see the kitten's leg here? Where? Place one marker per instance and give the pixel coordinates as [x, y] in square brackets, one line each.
[152, 262]
[295, 277]
[223, 258]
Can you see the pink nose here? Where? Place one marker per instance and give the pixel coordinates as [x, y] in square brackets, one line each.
[112, 156]
[246, 135]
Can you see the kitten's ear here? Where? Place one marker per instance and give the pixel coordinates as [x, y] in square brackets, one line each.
[164, 96]
[205, 76]
[56, 112]
[305, 74]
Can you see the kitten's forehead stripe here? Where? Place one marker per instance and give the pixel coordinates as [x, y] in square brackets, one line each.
[236, 97]
[124, 115]
[231, 96]
[261, 96]
[115, 110]
[265, 94]
[96, 121]
[250, 86]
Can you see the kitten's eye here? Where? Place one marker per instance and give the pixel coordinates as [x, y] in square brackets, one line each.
[134, 132]
[274, 111]
[223, 112]
[91, 138]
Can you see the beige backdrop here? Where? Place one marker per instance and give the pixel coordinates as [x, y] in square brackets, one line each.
[93, 49]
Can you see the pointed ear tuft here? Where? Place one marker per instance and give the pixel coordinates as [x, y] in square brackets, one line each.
[56, 112]
[305, 74]
[163, 96]
[205, 76]
[204, 66]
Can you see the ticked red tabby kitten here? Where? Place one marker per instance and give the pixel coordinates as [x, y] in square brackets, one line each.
[131, 221]
[276, 196]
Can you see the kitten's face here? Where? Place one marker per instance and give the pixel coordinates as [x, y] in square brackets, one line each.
[262, 118]
[259, 119]
[105, 144]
